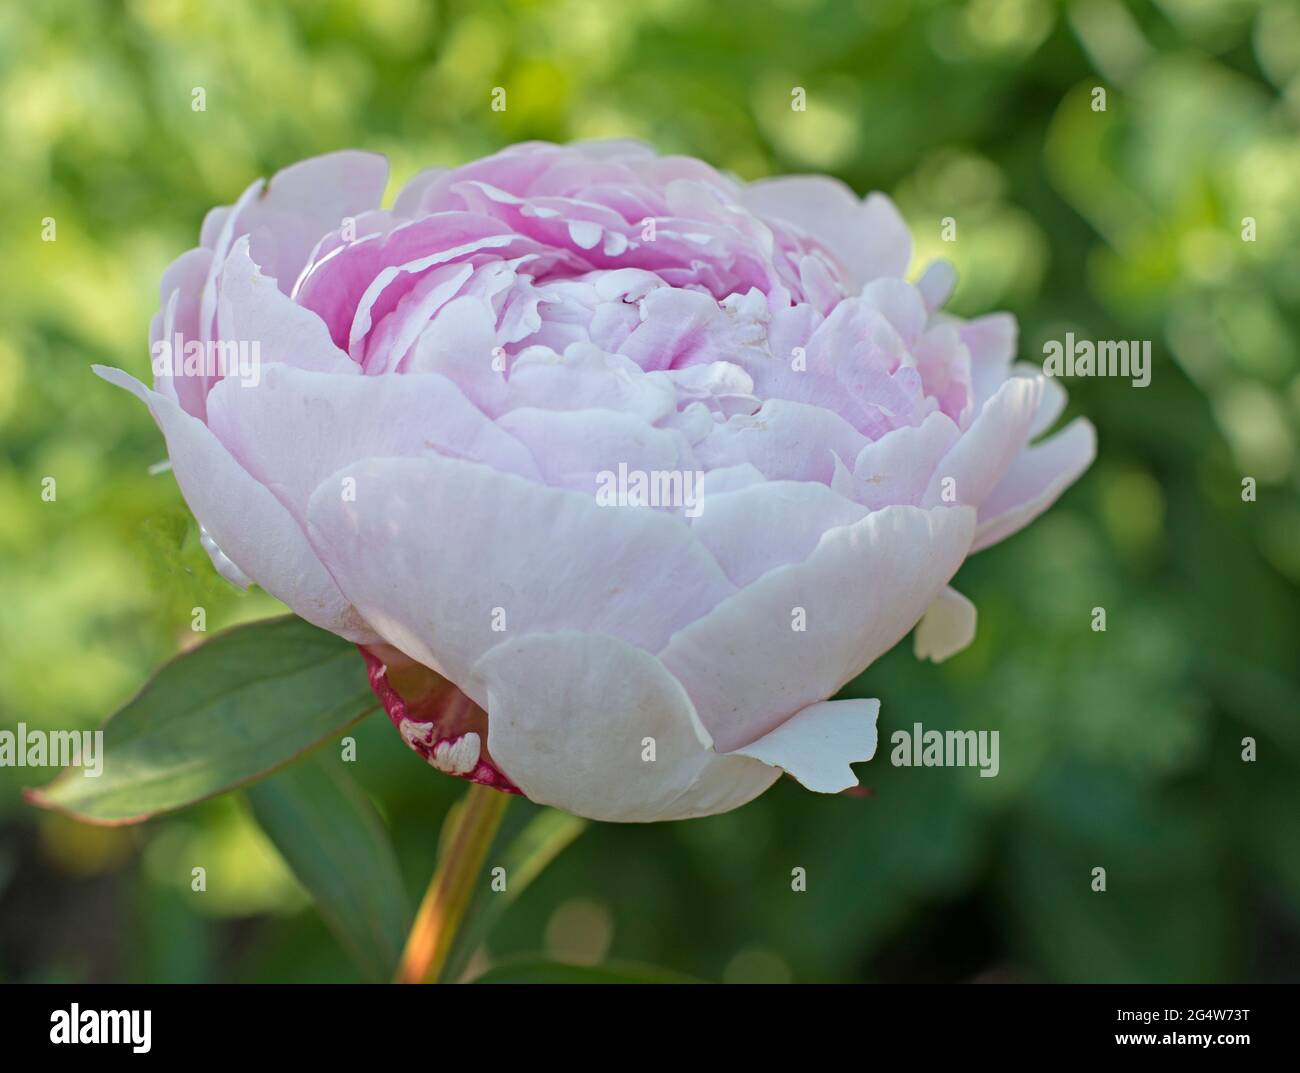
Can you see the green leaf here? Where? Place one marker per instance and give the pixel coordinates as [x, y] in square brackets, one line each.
[327, 830]
[542, 840]
[536, 970]
[235, 708]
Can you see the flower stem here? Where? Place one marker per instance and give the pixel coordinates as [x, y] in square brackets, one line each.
[452, 886]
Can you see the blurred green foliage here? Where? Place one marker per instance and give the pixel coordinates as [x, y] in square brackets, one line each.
[1119, 749]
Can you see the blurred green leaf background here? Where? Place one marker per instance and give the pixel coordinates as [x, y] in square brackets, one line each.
[1120, 749]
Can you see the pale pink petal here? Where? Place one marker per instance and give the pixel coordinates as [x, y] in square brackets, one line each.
[409, 200]
[572, 718]
[304, 201]
[991, 341]
[614, 149]
[460, 343]
[350, 418]
[900, 303]
[181, 292]
[574, 448]
[1053, 402]
[855, 596]
[897, 467]
[869, 238]
[763, 526]
[1036, 478]
[784, 440]
[252, 309]
[411, 550]
[246, 522]
[384, 349]
[936, 284]
[585, 377]
[980, 458]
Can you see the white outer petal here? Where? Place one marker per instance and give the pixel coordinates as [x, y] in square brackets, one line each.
[568, 718]
[817, 744]
[947, 627]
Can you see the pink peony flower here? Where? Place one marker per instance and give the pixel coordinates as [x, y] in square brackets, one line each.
[646, 462]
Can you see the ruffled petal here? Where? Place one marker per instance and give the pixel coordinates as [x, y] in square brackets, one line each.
[868, 237]
[252, 309]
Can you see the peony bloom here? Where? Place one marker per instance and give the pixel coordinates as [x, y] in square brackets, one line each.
[647, 463]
